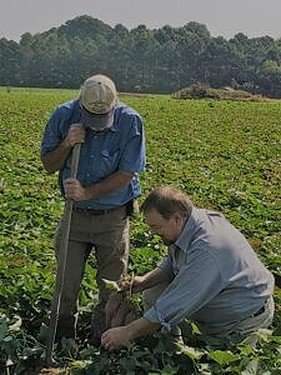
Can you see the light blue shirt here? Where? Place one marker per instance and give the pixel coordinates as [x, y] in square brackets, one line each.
[217, 279]
[120, 148]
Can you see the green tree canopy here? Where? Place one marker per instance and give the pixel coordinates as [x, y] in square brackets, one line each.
[142, 59]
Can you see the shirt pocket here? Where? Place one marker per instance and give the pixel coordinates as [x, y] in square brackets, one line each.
[109, 161]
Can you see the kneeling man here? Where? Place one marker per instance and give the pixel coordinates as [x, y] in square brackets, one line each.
[211, 275]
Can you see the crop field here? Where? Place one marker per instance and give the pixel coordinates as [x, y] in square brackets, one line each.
[224, 155]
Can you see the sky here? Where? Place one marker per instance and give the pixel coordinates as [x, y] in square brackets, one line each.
[222, 17]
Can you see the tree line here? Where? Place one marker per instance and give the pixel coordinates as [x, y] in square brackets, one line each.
[159, 60]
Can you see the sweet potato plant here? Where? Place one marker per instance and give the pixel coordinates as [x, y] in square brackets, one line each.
[225, 155]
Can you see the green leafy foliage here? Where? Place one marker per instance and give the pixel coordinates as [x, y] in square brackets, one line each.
[225, 155]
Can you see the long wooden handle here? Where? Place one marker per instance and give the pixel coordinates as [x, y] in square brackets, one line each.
[60, 276]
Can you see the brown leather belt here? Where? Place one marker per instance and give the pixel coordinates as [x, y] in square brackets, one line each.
[94, 212]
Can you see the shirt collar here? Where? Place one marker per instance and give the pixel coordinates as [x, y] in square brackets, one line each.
[114, 128]
[184, 239]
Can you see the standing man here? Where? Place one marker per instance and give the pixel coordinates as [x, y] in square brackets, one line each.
[211, 276]
[112, 156]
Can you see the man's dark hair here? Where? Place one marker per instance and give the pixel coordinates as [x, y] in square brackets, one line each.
[167, 200]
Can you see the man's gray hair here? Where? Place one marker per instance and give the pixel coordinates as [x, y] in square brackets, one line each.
[167, 200]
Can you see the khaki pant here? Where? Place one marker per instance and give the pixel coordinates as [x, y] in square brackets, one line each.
[238, 332]
[107, 236]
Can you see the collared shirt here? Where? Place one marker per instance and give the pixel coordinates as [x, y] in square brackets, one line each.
[216, 278]
[120, 148]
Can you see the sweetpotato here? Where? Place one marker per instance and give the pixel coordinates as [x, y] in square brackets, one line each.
[119, 311]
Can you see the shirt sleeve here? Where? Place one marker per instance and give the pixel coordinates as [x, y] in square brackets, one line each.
[133, 156]
[197, 282]
[165, 265]
[52, 136]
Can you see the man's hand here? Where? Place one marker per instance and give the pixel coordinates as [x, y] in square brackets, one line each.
[137, 284]
[54, 160]
[74, 190]
[115, 338]
[76, 134]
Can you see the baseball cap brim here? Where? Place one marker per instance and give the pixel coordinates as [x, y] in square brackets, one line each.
[97, 122]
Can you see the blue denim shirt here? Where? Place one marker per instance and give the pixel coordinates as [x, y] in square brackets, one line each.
[216, 277]
[120, 148]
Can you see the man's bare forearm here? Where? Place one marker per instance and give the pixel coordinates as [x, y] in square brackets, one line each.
[54, 160]
[141, 327]
[154, 277]
[110, 184]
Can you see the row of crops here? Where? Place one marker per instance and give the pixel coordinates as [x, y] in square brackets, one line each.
[225, 155]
